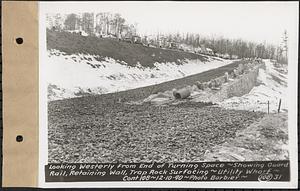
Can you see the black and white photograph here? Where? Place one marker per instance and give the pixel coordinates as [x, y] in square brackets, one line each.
[168, 82]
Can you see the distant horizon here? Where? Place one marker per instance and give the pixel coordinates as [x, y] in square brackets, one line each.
[256, 22]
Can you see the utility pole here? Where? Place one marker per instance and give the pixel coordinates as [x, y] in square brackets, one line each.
[285, 44]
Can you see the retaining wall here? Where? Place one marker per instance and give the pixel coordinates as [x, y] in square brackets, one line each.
[241, 85]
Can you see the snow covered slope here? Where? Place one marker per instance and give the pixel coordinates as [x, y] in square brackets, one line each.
[272, 87]
[77, 75]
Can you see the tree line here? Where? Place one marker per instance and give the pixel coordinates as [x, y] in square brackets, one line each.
[106, 23]
[221, 45]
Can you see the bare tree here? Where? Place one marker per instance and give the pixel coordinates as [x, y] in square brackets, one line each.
[88, 23]
[71, 21]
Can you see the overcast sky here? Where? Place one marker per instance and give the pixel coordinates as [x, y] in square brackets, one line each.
[252, 21]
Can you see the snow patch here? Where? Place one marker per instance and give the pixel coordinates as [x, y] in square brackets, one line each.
[75, 75]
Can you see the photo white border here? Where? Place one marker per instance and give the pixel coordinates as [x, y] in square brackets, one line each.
[292, 122]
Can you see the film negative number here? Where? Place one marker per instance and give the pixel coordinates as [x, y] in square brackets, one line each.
[265, 177]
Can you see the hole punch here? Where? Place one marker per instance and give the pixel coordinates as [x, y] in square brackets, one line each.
[19, 40]
[19, 138]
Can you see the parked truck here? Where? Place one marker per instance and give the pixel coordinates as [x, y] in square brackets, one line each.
[133, 39]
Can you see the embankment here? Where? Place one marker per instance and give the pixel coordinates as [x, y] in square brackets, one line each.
[120, 51]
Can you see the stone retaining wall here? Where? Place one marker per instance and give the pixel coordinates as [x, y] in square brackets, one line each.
[241, 85]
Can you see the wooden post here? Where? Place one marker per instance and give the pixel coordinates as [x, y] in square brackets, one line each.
[279, 105]
[268, 107]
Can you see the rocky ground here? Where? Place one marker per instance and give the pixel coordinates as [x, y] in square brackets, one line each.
[135, 133]
[266, 139]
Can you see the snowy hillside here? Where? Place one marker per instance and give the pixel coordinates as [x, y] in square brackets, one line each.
[272, 86]
[78, 74]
